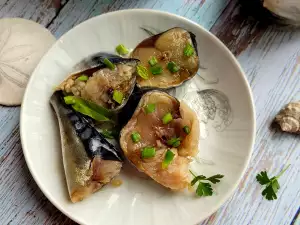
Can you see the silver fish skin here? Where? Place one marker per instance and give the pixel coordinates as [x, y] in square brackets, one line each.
[89, 160]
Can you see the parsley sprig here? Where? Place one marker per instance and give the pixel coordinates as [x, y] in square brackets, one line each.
[204, 188]
[271, 184]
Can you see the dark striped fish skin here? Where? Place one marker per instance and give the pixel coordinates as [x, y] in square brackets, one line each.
[90, 161]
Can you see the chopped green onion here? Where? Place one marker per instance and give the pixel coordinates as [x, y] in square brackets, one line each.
[122, 50]
[88, 112]
[136, 137]
[155, 70]
[118, 96]
[83, 78]
[169, 156]
[87, 108]
[167, 118]
[173, 67]
[152, 61]
[175, 142]
[188, 50]
[148, 152]
[150, 108]
[186, 129]
[142, 72]
[69, 100]
[109, 64]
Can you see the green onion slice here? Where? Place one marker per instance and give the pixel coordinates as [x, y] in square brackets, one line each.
[172, 66]
[175, 142]
[83, 78]
[152, 61]
[88, 108]
[109, 64]
[156, 70]
[186, 129]
[169, 156]
[188, 50]
[150, 108]
[167, 118]
[118, 96]
[148, 152]
[136, 137]
[122, 50]
[142, 72]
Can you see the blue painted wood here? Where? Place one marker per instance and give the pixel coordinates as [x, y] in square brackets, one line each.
[271, 60]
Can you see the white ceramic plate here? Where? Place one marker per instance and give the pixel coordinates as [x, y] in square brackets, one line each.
[220, 94]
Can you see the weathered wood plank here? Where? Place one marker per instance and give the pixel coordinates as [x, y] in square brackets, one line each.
[21, 200]
[40, 11]
[203, 12]
[270, 58]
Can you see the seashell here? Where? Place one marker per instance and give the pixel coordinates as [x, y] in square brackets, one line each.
[289, 118]
[285, 12]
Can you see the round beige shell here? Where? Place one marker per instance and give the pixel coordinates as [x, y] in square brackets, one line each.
[289, 9]
[289, 118]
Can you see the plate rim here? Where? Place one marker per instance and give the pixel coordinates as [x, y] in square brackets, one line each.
[163, 13]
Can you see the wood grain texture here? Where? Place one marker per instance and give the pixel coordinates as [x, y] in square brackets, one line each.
[270, 57]
[271, 60]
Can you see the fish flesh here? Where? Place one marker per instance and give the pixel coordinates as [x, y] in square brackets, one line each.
[96, 82]
[155, 133]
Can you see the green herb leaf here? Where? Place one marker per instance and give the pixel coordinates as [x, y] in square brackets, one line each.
[136, 137]
[109, 64]
[148, 152]
[262, 178]
[153, 61]
[188, 50]
[205, 189]
[169, 156]
[172, 66]
[186, 129]
[215, 179]
[118, 96]
[167, 118]
[156, 70]
[122, 50]
[150, 108]
[142, 72]
[271, 185]
[83, 78]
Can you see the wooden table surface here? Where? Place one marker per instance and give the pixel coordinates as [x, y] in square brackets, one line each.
[271, 60]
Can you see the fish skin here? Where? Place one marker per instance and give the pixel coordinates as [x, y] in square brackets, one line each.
[82, 147]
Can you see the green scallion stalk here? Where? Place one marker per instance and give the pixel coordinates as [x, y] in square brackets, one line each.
[109, 64]
[122, 50]
[186, 129]
[169, 156]
[167, 118]
[175, 142]
[142, 72]
[153, 61]
[156, 70]
[188, 50]
[83, 78]
[150, 108]
[148, 152]
[172, 67]
[118, 96]
[87, 108]
[136, 137]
